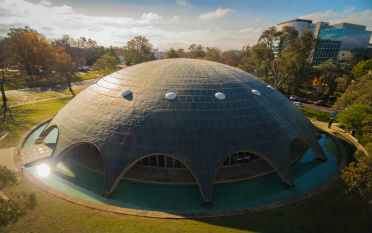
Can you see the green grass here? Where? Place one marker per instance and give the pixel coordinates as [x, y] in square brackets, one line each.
[88, 76]
[331, 211]
[67, 91]
[30, 97]
[26, 116]
[320, 116]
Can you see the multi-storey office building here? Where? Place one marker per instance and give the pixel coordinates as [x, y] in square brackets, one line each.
[337, 41]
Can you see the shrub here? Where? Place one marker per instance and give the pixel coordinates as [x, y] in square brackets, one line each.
[6, 177]
[320, 116]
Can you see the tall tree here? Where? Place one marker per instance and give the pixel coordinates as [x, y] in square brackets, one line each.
[138, 50]
[5, 65]
[64, 66]
[196, 51]
[30, 49]
[329, 71]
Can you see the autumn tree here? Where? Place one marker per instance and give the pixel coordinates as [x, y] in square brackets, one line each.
[30, 49]
[329, 71]
[106, 64]
[138, 50]
[70, 45]
[64, 66]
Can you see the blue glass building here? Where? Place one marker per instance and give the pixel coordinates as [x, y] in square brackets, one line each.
[341, 41]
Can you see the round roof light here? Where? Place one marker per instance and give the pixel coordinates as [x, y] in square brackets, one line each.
[126, 93]
[220, 95]
[43, 170]
[271, 87]
[257, 93]
[170, 96]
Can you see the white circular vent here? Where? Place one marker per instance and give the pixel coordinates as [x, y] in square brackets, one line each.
[271, 87]
[220, 95]
[257, 93]
[126, 93]
[170, 96]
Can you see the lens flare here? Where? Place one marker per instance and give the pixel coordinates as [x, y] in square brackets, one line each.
[43, 170]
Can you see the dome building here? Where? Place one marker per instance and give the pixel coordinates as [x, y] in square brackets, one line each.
[182, 121]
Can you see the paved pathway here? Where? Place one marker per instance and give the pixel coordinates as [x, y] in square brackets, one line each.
[324, 126]
[7, 158]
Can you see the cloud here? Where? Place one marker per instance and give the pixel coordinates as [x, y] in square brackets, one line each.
[149, 18]
[54, 21]
[348, 15]
[176, 18]
[257, 20]
[219, 13]
[183, 3]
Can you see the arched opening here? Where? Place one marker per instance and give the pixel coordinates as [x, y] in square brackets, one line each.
[160, 168]
[82, 164]
[299, 146]
[242, 165]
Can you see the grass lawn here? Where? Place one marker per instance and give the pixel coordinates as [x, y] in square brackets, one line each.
[26, 116]
[320, 116]
[30, 97]
[88, 76]
[67, 91]
[331, 211]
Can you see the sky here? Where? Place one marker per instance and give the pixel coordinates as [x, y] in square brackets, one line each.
[227, 24]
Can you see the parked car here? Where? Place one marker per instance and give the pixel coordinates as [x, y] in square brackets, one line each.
[320, 103]
[294, 98]
[298, 104]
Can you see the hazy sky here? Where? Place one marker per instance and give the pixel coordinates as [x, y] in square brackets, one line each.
[227, 24]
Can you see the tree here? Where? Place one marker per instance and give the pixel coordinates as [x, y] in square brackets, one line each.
[5, 64]
[171, 53]
[358, 175]
[181, 53]
[329, 71]
[212, 54]
[111, 52]
[296, 61]
[360, 92]
[106, 64]
[64, 66]
[138, 50]
[362, 68]
[196, 51]
[355, 116]
[30, 49]
[267, 53]
[231, 57]
[70, 45]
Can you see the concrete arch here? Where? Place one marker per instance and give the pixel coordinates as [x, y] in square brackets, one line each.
[284, 172]
[111, 187]
[45, 133]
[65, 151]
[295, 147]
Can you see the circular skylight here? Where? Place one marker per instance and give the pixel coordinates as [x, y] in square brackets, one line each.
[257, 93]
[126, 93]
[271, 87]
[220, 95]
[170, 96]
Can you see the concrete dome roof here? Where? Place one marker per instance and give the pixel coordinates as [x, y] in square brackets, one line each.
[196, 127]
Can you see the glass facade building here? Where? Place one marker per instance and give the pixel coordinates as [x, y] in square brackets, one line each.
[340, 43]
